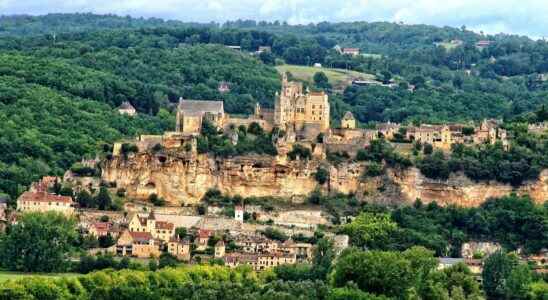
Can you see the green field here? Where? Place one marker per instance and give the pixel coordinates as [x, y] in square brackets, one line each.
[339, 78]
[16, 275]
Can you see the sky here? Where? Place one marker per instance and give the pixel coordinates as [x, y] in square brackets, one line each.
[524, 17]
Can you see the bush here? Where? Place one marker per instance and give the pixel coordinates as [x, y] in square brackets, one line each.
[321, 175]
[299, 151]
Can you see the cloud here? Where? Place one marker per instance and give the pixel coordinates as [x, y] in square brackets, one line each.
[492, 16]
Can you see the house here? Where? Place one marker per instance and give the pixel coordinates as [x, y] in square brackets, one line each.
[348, 121]
[137, 244]
[127, 109]
[43, 202]
[317, 65]
[351, 51]
[259, 262]
[192, 113]
[223, 87]
[99, 229]
[302, 251]
[161, 230]
[446, 262]
[255, 244]
[202, 238]
[483, 44]
[179, 248]
[388, 129]
[219, 251]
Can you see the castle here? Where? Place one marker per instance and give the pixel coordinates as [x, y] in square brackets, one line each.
[303, 113]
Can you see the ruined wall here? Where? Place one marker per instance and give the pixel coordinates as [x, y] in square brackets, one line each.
[462, 191]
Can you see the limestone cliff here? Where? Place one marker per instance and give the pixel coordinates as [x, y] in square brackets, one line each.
[185, 179]
[462, 191]
[181, 178]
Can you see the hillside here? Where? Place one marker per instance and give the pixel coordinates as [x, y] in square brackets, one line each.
[151, 63]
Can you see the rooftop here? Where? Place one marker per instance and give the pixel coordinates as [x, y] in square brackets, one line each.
[201, 106]
[44, 197]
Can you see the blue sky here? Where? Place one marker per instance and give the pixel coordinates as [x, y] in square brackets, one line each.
[527, 17]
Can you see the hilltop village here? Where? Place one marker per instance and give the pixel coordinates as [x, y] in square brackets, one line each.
[166, 213]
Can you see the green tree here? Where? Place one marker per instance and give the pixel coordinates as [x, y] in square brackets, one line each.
[103, 199]
[39, 242]
[371, 230]
[496, 271]
[321, 175]
[321, 81]
[322, 259]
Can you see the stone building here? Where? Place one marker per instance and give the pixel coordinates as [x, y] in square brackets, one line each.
[219, 251]
[192, 113]
[137, 244]
[41, 201]
[160, 230]
[306, 113]
[179, 248]
[348, 121]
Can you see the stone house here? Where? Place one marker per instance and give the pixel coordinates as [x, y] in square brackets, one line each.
[137, 244]
[259, 262]
[127, 109]
[302, 251]
[43, 202]
[202, 238]
[219, 251]
[179, 248]
[161, 230]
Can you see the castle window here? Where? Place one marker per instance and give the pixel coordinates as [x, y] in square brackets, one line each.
[313, 106]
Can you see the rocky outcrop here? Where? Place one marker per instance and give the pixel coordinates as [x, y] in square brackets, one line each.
[462, 191]
[184, 179]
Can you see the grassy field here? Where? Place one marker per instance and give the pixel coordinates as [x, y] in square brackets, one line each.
[339, 78]
[15, 275]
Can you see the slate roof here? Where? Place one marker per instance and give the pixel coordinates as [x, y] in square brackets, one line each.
[348, 116]
[193, 107]
[126, 105]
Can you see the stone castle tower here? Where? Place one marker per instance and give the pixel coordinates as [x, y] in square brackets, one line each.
[301, 111]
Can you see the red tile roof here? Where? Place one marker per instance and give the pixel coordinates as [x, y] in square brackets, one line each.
[140, 236]
[44, 197]
[164, 225]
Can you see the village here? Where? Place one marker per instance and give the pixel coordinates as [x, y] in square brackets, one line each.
[250, 234]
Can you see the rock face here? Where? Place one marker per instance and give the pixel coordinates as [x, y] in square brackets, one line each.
[462, 191]
[181, 178]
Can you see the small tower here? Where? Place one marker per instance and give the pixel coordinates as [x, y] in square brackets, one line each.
[239, 213]
[151, 222]
[219, 249]
[348, 121]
